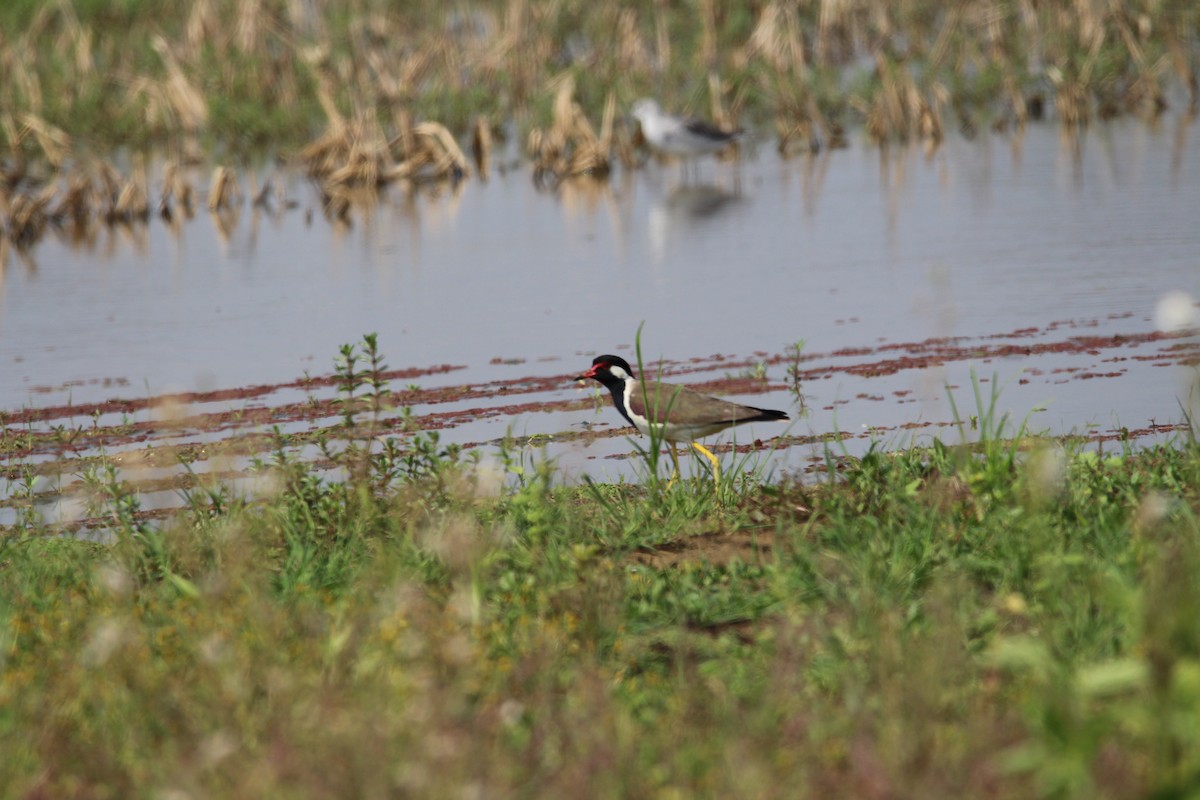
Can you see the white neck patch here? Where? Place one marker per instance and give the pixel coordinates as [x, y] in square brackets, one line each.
[618, 372]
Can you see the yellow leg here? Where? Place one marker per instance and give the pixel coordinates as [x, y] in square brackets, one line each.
[716, 465]
[674, 458]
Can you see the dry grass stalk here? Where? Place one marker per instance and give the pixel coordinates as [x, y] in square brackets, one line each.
[946, 34]
[777, 39]
[21, 66]
[117, 195]
[184, 98]
[393, 76]
[720, 116]
[9, 126]
[481, 145]
[248, 28]
[177, 189]
[885, 113]
[662, 35]
[365, 156]
[354, 154]
[203, 26]
[571, 147]
[835, 30]
[404, 127]
[26, 216]
[607, 122]
[347, 154]
[262, 198]
[436, 148]
[708, 33]
[223, 190]
[1071, 99]
[1016, 100]
[899, 109]
[1181, 63]
[133, 201]
[799, 126]
[1145, 93]
[330, 150]
[54, 143]
[930, 115]
[77, 199]
[632, 50]
[628, 145]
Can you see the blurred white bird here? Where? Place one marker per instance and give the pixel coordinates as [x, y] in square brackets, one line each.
[687, 138]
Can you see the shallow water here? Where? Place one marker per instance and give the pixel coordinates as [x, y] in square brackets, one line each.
[1004, 240]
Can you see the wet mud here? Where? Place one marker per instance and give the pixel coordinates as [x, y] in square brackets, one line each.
[166, 445]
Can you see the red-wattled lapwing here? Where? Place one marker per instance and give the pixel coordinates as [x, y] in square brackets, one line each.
[678, 414]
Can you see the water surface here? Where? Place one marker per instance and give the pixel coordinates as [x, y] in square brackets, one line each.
[1020, 241]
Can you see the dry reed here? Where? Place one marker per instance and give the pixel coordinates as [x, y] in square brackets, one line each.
[571, 146]
[341, 85]
[1103, 58]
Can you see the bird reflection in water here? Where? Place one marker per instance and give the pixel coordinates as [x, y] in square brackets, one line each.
[688, 206]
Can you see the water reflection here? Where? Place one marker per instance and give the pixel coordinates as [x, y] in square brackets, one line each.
[1179, 145]
[814, 168]
[685, 207]
[841, 248]
[1037, 261]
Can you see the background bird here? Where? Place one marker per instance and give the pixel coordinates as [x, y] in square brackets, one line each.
[687, 138]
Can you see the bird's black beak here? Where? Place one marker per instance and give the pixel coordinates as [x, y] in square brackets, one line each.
[591, 373]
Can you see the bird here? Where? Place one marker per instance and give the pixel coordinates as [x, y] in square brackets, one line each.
[676, 413]
[678, 136]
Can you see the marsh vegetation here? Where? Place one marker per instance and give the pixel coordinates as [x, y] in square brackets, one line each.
[236, 74]
[345, 598]
[366, 93]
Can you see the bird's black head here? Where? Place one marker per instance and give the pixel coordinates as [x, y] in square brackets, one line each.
[612, 371]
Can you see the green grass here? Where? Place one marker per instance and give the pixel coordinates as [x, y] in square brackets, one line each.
[1010, 618]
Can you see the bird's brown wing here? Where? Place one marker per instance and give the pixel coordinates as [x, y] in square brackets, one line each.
[678, 403]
